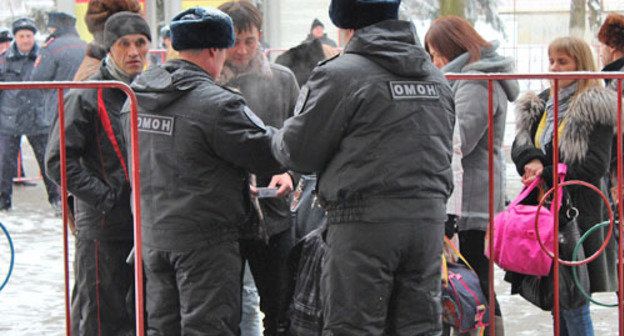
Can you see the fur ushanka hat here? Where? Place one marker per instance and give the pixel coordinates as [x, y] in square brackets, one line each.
[100, 10]
[356, 14]
[202, 28]
[612, 31]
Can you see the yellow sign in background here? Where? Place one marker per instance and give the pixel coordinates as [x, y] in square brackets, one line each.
[186, 4]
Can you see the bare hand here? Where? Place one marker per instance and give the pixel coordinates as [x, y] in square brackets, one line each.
[532, 170]
[284, 182]
[253, 191]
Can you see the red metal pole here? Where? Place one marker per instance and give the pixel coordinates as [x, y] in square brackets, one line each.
[620, 209]
[491, 196]
[556, 307]
[65, 208]
[138, 241]
[19, 163]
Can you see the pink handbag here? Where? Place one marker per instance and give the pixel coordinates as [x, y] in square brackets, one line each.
[515, 242]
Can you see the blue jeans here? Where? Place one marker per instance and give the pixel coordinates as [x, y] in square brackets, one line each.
[251, 323]
[576, 322]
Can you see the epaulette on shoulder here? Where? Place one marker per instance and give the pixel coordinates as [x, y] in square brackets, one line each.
[328, 60]
[48, 42]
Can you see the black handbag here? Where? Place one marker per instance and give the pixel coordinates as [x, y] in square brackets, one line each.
[539, 290]
[307, 214]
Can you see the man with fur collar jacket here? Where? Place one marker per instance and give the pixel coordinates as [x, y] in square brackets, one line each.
[271, 91]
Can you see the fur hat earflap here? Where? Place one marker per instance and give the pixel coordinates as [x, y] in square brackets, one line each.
[202, 28]
[612, 31]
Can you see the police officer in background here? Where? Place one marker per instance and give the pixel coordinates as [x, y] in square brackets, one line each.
[376, 123]
[5, 39]
[198, 141]
[21, 112]
[97, 176]
[59, 57]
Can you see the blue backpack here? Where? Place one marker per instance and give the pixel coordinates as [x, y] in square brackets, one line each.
[464, 306]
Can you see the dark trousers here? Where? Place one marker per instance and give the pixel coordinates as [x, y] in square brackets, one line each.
[194, 292]
[9, 147]
[471, 246]
[269, 267]
[102, 301]
[383, 279]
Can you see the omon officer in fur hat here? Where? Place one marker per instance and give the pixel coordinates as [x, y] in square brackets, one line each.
[198, 142]
[376, 124]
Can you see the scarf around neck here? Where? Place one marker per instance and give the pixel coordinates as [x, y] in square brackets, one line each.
[259, 65]
[565, 98]
[116, 72]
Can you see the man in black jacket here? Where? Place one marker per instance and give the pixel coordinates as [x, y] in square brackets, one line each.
[376, 123]
[271, 91]
[198, 141]
[21, 111]
[97, 176]
[59, 57]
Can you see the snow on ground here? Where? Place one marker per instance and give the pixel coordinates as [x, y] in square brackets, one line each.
[32, 304]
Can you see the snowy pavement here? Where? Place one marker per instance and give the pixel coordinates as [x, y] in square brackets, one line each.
[32, 304]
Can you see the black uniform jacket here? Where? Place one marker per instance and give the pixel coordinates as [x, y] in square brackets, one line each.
[376, 124]
[95, 173]
[58, 60]
[21, 111]
[198, 141]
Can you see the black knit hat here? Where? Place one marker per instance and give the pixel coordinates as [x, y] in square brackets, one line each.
[61, 20]
[124, 23]
[24, 23]
[5, 35]
[356, 14]
[317, 23]
[202, 28]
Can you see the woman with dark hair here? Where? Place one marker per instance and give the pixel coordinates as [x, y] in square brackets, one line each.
[455, 46]
[587, 114]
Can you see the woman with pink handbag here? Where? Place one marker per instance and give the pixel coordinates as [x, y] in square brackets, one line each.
[587, 116]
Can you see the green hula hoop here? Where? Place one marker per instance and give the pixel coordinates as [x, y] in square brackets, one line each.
[575, 273]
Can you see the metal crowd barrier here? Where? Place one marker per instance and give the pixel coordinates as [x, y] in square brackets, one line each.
[555, 77]
[490, 78]
[134, 139]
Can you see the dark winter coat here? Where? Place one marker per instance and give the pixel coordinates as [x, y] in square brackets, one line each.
[376, 124]
[471, 108]
[302, 59]
[585, 148]
[59, 59]
[612, 84]
[271, 92]
[198, 141]
[95, 174]
[617, 65]
[21, 111]
[323, 39]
